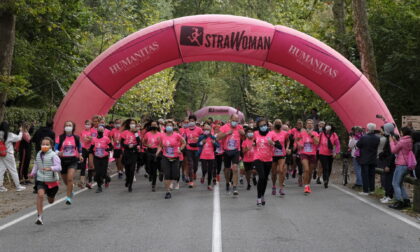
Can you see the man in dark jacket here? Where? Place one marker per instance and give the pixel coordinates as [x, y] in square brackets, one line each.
[368, 146]
[41, 133]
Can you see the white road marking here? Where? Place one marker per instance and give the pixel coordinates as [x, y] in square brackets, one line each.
[217, 226]
[24, 217]
[382, 209]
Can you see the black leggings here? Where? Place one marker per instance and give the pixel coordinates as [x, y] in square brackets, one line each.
[101, 167]
[130, 159]
[192, 163]
[326, 162]
[153, 164]
[387, 183]
[299, 165]
[263, 170]
[219, 161]
[82, 165]
[207, 165]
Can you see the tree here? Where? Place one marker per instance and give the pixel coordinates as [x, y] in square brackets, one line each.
[364, 42]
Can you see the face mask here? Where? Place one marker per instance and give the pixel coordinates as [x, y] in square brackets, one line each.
[101, 128]
[250, 135]
[251, 126]
[207, 132]
[45, 148]
[264, 128]
[88, 126]
[117, 125]
[153, 128]
[185, 125]
[100, 134]
[132, 126]
[320, 128]
[138, 128]
[328, 128]
[169, 129]
[191, 125]
[101, 125]
[234, 124]
[68, 129]
[277, 126]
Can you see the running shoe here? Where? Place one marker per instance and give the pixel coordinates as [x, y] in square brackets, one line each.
[177, 186]
[254, 180]
[248, 187]
[191, 184]
[259, 202]
[68, 201]
[281, 192]
[318, 180]
[325, 185]
[314, 175]
[273, 190]
[106, 184]
[168, 195]
[235, 191]
[209, 188]
[134, 179]
[214, 181]
[89, 185]
[386, 200]
[202, 180]
[171, 186]
[99, 189]
[3, 189]
[262, 201]
[218, 178]
[120, 175]
[307, 189]
[39, 221]
[241, 181]
[153, 188]
[20, 188]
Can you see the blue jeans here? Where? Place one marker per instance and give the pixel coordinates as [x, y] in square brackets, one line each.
[397, 182]
[358, 170]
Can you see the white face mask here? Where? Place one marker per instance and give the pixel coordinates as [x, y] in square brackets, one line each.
[88, 126]
[132, 126]
[68, 129]
[328, 128]
[117, 125]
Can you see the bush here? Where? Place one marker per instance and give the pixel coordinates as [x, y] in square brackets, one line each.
[15, 115]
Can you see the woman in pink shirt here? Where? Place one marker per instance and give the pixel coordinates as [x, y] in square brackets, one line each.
[115, 136]
[192, 134]
[307, 143]
[151, 141]
[130, 141]
[171, 145]
[86, 141]
[281, 140]
[208, 145]
[219, 152]
[329, 146]
[263, 156]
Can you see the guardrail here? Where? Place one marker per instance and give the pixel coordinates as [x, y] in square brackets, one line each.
[416, 189]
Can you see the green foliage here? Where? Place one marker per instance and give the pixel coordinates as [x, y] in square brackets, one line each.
[14, 86]
[15, 116]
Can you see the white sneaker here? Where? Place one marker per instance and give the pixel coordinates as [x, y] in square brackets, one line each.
[177, 186]
[171, 186]
[39, 221]
[363, 193]
[20, 188]
[386, 200]
[3, 189]
[382, 199]
[134, 179]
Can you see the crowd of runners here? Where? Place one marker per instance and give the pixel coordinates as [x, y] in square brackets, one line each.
[171, 151]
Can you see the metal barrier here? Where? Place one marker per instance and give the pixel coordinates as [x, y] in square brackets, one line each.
[416, 189]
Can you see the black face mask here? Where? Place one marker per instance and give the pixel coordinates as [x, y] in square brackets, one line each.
[277, 127]
[153, 128]
[100, 134]
[263, 133]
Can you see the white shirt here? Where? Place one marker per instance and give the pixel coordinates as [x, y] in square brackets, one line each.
[11, 138]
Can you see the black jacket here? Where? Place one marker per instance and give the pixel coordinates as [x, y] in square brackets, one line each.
[368, 146]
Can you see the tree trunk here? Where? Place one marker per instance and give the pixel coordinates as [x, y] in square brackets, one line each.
[7, 42]
[364, 42]
[340, 30]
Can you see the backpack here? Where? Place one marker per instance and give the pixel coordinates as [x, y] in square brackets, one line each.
[3, 149]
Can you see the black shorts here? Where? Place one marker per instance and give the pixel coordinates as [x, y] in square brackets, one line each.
[170, 168]
[277, 158]
[231, 157]
[249, 166]
[68, 163]
[117, 153]
[51, 192]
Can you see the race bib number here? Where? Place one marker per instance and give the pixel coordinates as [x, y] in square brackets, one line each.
[118, 145]
[307, 147]
[68, 151]
[278, 152]
[170, 151]
[94, 134]
[231, 144]
[100, 152]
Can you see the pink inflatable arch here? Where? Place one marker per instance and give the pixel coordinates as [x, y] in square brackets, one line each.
[218, 110]
[222, 38]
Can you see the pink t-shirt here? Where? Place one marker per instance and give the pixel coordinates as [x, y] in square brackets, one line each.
[100, 146]
[115, 135]
[152, 140]
[171, 144]
[86, 143]
[128, 137]
[281, 136]
[307, 145]
[233, 141]
[94, 132]
[107, 132]
[248, 155]
[208, 150]
[68, 148]
[323, 144]
[263, 150]
[192, 137]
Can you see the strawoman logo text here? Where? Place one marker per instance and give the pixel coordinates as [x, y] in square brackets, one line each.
[195, 36]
